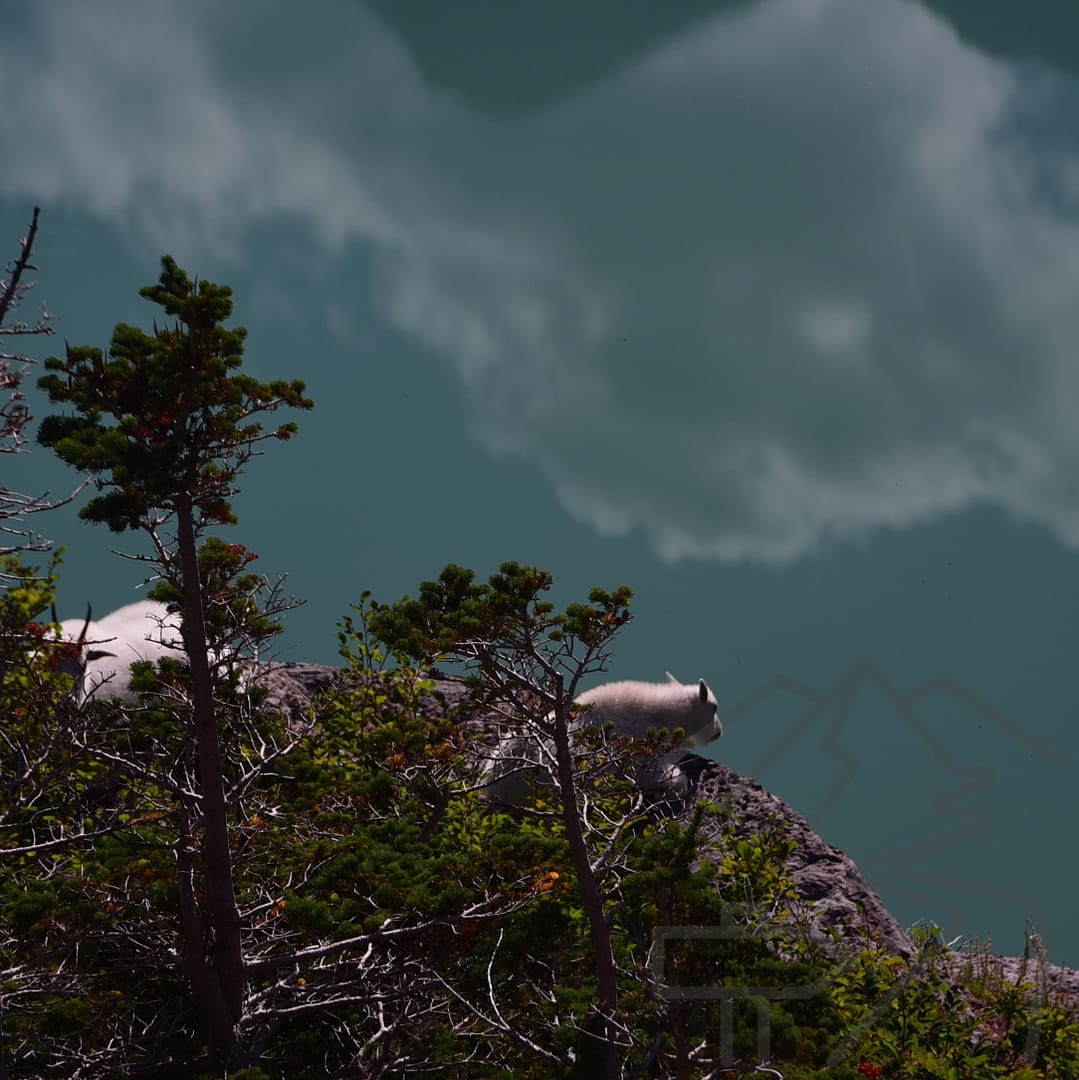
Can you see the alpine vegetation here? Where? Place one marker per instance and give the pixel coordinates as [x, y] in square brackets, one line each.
[632, 709]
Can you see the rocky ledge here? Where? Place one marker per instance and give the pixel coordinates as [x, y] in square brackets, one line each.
[837, 897]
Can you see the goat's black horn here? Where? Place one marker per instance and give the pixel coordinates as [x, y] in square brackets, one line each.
[85, 625]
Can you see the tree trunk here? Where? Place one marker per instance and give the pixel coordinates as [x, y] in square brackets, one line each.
[224, 1043]
[592, 899]
[227, 962]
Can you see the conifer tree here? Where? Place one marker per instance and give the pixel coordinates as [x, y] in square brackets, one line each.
[166, 424]
[528, 660]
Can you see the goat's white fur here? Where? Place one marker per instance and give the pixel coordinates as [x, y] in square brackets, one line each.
[632, 708]
[143, 630]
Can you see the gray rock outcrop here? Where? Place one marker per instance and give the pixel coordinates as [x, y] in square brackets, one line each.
[828, 882]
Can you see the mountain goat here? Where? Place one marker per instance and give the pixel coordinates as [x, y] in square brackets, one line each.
[104, 650]
[633, 708]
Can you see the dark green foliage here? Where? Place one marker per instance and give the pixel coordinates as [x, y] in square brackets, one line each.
[165, 414]
[453, 610]
[372, 824]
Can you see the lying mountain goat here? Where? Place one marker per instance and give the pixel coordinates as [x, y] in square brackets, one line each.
[633, 708]
[100, 662]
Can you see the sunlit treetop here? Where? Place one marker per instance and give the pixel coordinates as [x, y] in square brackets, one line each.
[164, 419]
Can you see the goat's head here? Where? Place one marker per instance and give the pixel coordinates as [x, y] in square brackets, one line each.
[71, 657]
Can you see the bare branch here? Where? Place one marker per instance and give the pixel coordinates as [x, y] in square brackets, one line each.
[14, 414]
[15, 507]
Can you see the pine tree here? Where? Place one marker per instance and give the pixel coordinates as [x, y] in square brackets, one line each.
[528, 660]
[166, 424]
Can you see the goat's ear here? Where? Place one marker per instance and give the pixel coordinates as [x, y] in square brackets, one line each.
[704, 690]
[672, 679]
[98, 654]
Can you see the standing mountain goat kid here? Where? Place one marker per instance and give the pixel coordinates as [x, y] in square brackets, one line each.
[632, 708]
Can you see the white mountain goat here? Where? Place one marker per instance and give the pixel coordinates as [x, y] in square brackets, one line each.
[633, 708]
[104, 650]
